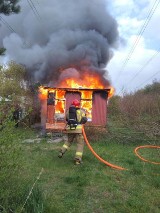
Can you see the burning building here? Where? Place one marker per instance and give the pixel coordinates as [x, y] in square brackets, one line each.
[78, 35]
[90, 90]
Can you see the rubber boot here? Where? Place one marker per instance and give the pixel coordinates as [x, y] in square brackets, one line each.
[77, 161]
[60, 154]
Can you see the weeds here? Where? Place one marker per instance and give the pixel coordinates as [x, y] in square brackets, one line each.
[140, 110]
[35, 203]
[92, 186]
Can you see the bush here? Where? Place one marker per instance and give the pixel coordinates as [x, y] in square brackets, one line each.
[140, 109]
[114, 109]
[10, 161]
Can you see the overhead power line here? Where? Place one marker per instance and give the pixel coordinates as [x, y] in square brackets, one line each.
[12, 30]
[150, 14]
[34, 9]
[149, 79]
[142, 82]
[141, 69]
[7, 25]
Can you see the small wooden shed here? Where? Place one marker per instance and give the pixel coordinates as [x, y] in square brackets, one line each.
[56, 102]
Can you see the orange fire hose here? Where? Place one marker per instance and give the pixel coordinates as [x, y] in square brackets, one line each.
[146, 146]
[115, 166]
[97, 156]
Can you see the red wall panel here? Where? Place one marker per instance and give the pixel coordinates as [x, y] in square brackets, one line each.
[50, 114]
[70, 96]
[99, 109]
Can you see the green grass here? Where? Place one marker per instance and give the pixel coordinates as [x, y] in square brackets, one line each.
[92, 187]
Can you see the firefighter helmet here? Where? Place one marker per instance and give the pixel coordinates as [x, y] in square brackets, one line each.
[76, 103]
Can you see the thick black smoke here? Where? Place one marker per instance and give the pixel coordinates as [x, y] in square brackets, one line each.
[59, 34]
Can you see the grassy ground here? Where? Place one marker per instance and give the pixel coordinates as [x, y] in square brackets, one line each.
[93, 187]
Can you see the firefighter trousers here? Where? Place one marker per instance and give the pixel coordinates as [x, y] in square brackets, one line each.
[80, 144]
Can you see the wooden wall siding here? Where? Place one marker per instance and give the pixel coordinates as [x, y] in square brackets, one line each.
[43, 113]
[50, 114]
[70, 96]
[99, 109]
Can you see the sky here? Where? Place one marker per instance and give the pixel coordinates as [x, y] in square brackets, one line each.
[135, 61]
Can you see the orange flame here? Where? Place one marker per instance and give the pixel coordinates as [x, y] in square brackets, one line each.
[42, 93]
[111, 92]
[87, 105]
[60, 94]
[86, 94]
[87, 81]
[59, 107]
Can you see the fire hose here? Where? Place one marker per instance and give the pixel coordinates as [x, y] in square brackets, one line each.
[146, 146]
[97, 156]
[115, 166]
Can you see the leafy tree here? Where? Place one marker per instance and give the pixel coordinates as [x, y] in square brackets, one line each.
[14, 87]
[16, 90]
[2, 51]
[114, 105]
[8, 7]
[153, 88]
[12, 84]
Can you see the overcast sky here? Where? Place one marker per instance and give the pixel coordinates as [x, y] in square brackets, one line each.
[136, 62]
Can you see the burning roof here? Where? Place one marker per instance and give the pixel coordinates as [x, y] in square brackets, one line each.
[85, 87]
[86, 83]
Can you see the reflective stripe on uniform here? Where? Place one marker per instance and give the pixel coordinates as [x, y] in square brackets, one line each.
[79, 154]
[79, 116]
[65, 146]
[77, 127]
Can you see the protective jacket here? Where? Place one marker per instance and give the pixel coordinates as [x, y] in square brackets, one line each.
[81, 119]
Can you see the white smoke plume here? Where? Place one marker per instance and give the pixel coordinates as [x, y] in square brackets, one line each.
[58, 34]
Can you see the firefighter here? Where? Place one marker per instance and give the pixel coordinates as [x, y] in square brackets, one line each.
[75, 118]
[17, 115]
